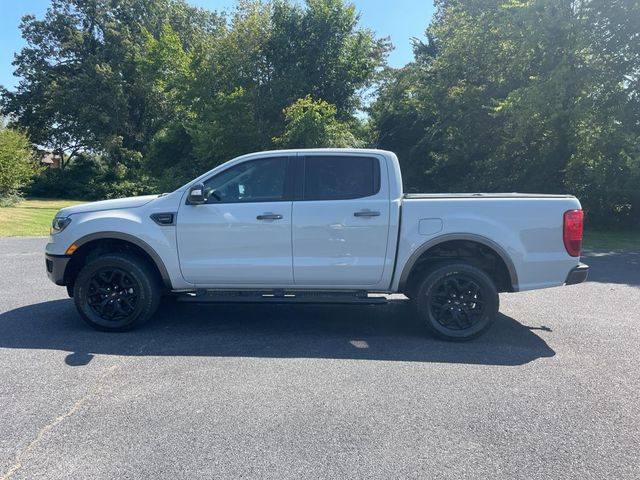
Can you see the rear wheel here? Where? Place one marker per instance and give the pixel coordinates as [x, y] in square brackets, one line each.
[116, 292]
[457, 301]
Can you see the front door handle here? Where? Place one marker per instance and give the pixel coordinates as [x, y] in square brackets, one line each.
[366, 213]
[269, 216]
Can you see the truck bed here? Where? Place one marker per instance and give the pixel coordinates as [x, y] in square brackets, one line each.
[528, 228]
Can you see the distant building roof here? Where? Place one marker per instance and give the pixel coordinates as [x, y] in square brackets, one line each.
[49, 159]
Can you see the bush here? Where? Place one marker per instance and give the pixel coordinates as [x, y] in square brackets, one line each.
[77, 180]
[10, 199]
[89, 177]
[604, 174]
[17, 165]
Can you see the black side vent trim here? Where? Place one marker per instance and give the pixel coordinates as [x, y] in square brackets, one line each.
[164, 219]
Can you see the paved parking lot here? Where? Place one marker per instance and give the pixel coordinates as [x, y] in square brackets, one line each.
[286, 391]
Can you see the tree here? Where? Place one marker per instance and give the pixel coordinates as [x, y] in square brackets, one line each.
[158, 91]
[311, 124]
[400, 121]
[604, 169]
[320, 51]
[266, 57]
[17, 165]
[82, 84]
[529, 95]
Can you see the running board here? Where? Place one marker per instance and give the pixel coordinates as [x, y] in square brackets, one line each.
[280, 296]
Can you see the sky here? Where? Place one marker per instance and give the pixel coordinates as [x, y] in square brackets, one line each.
[399, 19]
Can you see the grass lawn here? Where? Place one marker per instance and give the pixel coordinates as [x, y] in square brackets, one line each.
[30, 218]
[612, 240]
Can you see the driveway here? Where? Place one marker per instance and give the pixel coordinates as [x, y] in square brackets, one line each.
[301, 391]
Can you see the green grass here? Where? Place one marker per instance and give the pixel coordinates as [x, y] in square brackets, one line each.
[30, 218]
[612, 240]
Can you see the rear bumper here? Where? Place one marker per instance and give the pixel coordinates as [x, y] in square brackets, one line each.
[56, 266]
[578, 274]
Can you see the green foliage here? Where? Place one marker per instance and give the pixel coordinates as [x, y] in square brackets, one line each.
[90, 75]
[92, 178]
[10, 199]
[604, 172]
[312, 124]
[159, 91]
[529, 95]
[399, 121]
[77, 180]
[17, 165]
[262, 61]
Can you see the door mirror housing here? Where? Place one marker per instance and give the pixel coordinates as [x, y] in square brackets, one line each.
[196, 195]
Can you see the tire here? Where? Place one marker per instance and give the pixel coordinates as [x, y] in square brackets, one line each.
[441, 303]
[116, 292]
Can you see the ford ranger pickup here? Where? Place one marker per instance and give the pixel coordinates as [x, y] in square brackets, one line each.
[326, 225]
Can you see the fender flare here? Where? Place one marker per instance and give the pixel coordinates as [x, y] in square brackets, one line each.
[502, 253]
[144, 246]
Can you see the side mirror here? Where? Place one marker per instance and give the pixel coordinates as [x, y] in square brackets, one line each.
[196, 195]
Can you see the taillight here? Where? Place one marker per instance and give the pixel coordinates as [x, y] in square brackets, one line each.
[572, 231]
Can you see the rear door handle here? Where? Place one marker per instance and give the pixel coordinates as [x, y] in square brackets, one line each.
[366, 213]
[269, 216]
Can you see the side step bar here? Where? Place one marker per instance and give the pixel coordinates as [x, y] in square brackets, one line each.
[280, 296]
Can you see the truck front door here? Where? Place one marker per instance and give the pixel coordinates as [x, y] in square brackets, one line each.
[242, 234]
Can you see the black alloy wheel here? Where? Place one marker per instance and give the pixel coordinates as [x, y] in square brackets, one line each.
[113, 294]
[457, 301]
[116, 292]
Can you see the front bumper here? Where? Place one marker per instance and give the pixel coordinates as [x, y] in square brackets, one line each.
[56, 266]
[577, 274]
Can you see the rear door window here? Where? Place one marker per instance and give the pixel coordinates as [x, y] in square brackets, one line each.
[340, 177]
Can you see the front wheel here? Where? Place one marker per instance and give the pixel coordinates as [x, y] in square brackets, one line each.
[457, 301]
[116, 292]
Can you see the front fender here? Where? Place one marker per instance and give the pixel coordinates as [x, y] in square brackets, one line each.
[134, 226]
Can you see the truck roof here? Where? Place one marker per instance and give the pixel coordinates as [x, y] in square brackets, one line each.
[320, 150]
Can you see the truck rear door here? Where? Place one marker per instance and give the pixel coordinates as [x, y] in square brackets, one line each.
[340, 220]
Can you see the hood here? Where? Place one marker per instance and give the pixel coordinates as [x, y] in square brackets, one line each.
[130, 202]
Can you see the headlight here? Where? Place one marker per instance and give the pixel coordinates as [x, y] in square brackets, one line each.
[58, 224]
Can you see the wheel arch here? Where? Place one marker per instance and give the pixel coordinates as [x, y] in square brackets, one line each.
[424, 250]
[112, 242]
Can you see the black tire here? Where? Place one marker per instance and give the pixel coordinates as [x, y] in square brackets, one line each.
[116, 292]
[457, 301]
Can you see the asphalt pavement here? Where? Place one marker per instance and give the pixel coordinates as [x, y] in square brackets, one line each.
[308, 391]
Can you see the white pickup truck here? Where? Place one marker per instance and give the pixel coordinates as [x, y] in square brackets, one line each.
[314, 226]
